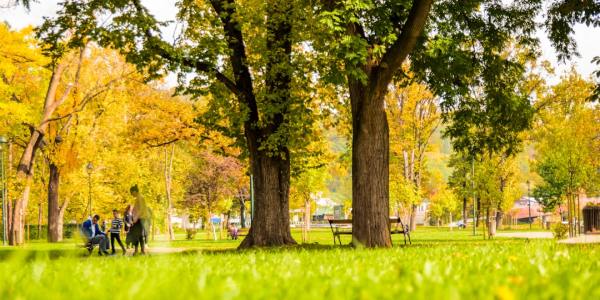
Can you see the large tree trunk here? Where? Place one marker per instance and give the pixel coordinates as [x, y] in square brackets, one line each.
[55, 220]
[370, 168]
[271, 221]
[370, 132]
[271, 170]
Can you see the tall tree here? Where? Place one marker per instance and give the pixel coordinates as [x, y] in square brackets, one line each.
[451, 43]
[246, 62]
[35, 140]
[213, 183]
[566, 136]
[414, 116]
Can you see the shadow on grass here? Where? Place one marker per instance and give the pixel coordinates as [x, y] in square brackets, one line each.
[24, 254]
[41, 254]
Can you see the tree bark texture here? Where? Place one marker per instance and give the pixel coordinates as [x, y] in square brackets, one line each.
[271, 170]
[370, 169]
[55, 210]
[271, 221]
[370, 132]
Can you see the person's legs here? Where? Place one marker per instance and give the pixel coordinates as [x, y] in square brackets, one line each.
[143, 242]
[95, 241]
[112, 241]
[103, 243]
[135, 247]
[118, 238]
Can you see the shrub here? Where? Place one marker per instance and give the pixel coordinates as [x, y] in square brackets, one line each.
[191, 233]
[68, 233]
[560, 231]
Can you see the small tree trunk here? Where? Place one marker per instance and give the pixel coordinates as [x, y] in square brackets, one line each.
[9, 209]
[413, 217]
[306, 228]
[39, 222]
[17, 227]
[464, 211]
[168, 180]
[478, 213]
[55, 223]
[242, 213]
[499, 218]
[491, 224]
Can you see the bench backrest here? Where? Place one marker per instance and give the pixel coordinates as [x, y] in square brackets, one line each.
[340, 221]
[349, 221]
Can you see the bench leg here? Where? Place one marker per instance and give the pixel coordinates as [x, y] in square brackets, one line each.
[339, 239]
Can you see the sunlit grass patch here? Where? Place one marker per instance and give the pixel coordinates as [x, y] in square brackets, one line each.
[458, 267]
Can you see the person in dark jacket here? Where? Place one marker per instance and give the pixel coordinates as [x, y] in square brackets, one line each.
[94, 235]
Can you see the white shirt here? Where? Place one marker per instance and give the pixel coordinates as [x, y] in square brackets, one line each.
[93, 229]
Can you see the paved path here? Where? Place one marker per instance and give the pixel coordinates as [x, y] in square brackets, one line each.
[582, 239]
[527, 234]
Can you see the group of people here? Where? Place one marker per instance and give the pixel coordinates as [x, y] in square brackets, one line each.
[135, 223]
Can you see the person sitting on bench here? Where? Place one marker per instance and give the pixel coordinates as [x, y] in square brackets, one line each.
[94, 235]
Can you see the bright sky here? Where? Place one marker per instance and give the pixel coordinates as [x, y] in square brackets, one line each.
[588, 39]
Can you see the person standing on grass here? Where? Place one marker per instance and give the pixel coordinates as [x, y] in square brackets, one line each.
[141, 216]
[115, 232]
[127, 221]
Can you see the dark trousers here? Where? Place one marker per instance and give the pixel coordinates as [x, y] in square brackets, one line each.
[141, 243]
[113, 237]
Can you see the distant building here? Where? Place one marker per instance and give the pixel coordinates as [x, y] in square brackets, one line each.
[520, 210]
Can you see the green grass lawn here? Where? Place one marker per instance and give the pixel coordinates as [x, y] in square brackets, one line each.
[439, 265]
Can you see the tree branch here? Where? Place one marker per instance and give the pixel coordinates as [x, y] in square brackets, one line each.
[88, 97]
[225, 9]
[396, 54]
[198, 65]
[161, 144]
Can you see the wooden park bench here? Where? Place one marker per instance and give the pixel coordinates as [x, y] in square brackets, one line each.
[241, 232]
[344, 226]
